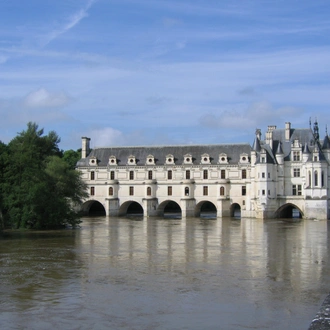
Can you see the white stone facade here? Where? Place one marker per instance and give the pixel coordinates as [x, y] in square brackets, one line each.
[288, 170]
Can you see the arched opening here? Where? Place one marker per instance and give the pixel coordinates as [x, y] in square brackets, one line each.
[289, 211]
[235, 211]
[206, 210]
[170, 210]
[131, 209]
[93, 208]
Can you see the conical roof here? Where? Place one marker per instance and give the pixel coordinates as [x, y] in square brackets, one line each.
[326, 143]
[256, 144]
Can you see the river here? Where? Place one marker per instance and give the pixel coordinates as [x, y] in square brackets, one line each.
[120, 273]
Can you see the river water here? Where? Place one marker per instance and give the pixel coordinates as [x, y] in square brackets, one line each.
[119, 273]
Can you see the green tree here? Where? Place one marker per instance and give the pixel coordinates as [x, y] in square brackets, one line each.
[39, 187]
[72, 157]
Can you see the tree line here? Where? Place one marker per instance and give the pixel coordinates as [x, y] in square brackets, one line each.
[39, 186]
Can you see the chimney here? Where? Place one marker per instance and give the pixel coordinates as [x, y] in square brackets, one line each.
[269, 135]
[85, 147]
[287, 131]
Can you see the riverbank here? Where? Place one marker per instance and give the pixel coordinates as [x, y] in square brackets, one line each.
[322, 318]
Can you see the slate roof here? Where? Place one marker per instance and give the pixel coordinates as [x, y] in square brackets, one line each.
[141, 153]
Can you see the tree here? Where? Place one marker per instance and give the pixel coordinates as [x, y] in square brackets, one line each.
[72, 157]
[39, 190]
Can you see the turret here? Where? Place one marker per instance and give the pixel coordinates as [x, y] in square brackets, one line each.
[279, 154]
[85, 148]
[305, 153]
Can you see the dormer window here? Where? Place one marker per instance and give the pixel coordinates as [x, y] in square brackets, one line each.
[187, 159]
[150, 160]
[205, 159]
[131, 160]
[112, 160]
[93, 161]
[223, 158]
[244, 158]
[170, 160]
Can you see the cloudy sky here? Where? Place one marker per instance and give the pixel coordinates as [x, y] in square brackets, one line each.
[140, 72]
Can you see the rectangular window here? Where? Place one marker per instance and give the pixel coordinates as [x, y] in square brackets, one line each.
[205, 190]
[223, 174]
[112, 175]
[205, 174]
[244, 174]
[296, 172]
[150, 175]
[268, 192]
[268, 175]
[92, 175]
[296, 156]
[296, 190]
[169, 175]
[92, 191]
[169, 190]
[263, 175]
[131, 191]
[243, 190]
[187, 174]
[263, 192]
[131, 175]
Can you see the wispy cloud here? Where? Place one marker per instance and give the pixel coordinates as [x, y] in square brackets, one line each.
[71, 22]
[42, 98]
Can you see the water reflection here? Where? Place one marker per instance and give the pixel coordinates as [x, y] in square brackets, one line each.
[124, 273]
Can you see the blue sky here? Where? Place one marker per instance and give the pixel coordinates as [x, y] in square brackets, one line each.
[140, 72]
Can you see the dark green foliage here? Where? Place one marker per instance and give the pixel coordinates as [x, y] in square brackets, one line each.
[72, 157]
[39, 189]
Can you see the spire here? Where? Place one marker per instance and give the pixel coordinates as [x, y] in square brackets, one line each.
[256, 144]
[326, 142]
[306, 149]
[316, 130]
[279, 150]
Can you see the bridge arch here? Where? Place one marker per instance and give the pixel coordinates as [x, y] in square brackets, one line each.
[169, 209]
[205, 209]
[235, 210]
[289, 210]
[131, 208]
[93, 208]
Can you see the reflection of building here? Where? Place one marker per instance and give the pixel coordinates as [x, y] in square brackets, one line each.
[285, 173]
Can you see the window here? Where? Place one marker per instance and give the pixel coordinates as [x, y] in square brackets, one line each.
[186, 191]
[268, 175]
[112, 175]
[268, 192]
[316, 177]
[222, 191]
[205, 174]
[322, 179]
[169, 175]
[148, 191]
[296, 189]
[131, 191]
[296, 172]
[263, 192]
[223, 174]
[92, 175]
[110, 191]
[131, 175]
[92, 192]
[205, 190]
[150, 175]
[263, 160]
[296, 156]
[244, 174]
[169, 190]
[188, 174]
[263, 175]
[243, 190]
